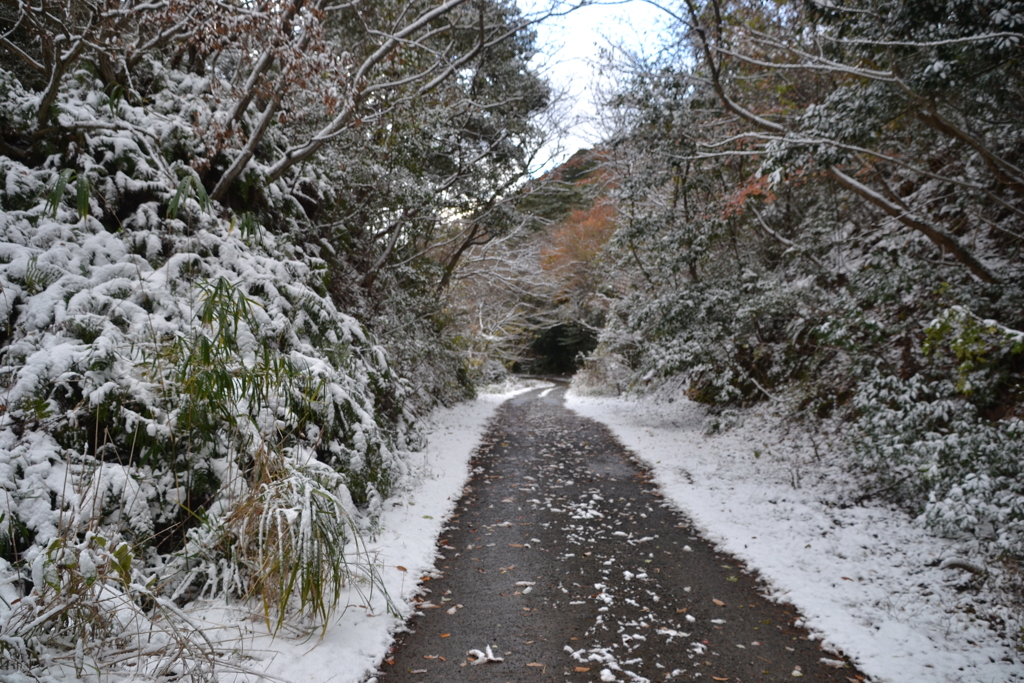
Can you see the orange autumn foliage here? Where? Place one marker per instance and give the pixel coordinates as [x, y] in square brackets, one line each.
[580, 237]
[754, 187]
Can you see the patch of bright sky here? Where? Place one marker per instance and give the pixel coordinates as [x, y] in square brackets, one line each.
[571, 46]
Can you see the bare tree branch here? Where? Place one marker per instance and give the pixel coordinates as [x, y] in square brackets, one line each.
[938, 236]
[303, 151]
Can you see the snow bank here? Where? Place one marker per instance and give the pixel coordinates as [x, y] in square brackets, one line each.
[867, 578]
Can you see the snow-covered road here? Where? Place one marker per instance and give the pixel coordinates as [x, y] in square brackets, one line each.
[565, 561]
[866, 578]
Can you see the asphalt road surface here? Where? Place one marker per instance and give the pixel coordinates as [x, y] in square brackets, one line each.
[563, 559]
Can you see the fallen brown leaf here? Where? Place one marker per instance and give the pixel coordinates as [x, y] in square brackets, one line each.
[718, 602]
[582, 669]
[401, 568]
[534, 664]
[445, 635]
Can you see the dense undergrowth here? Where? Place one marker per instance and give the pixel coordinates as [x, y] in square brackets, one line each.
[819, 208]
[184, 388]
[224, 237]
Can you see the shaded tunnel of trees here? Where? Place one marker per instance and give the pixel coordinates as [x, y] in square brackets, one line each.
[559, 350]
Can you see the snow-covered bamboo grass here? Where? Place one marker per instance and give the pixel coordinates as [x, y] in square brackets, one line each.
[186, 413]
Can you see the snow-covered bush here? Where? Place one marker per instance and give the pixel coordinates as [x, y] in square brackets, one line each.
[602, 373]
[292, 541]
[927, 448]
[145, 392]
[222, 308]
[986, 353]
[86, 616]
[735, 339]
[929, 442]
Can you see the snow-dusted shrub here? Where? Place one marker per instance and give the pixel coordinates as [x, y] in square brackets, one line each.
[928, 449]
[86, 616]
[412, 323]
[733, 338]
[722, 421]
[602, 374]
[985, 353]
[489, 371]
[155, 350]
[292, 541]
[179, 366]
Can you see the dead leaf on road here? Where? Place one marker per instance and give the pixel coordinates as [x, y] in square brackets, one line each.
[582, 669]
[718, 602]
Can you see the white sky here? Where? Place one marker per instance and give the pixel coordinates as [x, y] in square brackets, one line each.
[570, 56]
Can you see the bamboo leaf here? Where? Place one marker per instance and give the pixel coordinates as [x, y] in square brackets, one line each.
[114, 98]
[82, 192]
[182, 192]
[56, 194]
[189, 183]
[201, 196]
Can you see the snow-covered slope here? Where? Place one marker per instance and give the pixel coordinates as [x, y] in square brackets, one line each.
[869, 580]
[177, 381]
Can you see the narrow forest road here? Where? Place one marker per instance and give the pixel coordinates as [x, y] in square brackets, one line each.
[562, 558]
